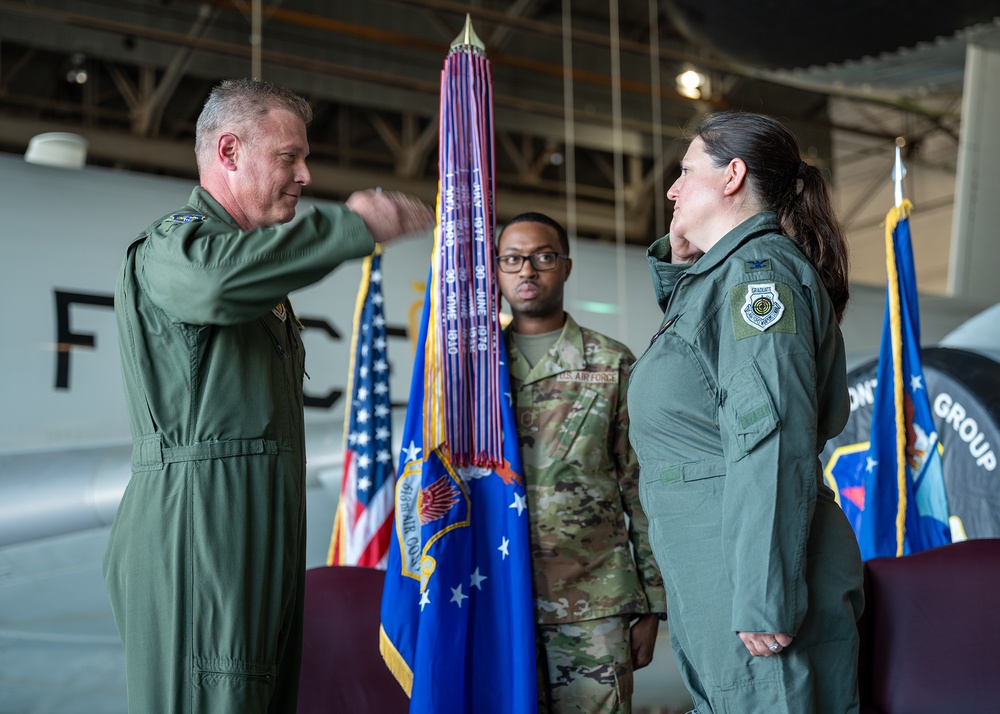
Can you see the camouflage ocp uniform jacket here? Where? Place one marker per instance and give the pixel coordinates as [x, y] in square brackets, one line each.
[582, 480]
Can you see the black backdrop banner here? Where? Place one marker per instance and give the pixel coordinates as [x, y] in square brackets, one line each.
[964, 392]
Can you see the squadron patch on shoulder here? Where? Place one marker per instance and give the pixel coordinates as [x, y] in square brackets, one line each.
[280, 312]
[186, 218]
[761, 307]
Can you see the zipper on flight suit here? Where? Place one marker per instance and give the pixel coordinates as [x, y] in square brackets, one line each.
[652, 341]
[267, 677]
[282, 352]
[298, 323]
[666, 325]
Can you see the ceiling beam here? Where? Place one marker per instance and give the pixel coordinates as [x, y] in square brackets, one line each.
[329, 180]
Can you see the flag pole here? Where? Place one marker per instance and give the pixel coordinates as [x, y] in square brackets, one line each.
[468, 37]
[899, 171]
[894, 311]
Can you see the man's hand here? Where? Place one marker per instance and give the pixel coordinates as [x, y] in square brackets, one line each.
[643, 640]
[390, 214]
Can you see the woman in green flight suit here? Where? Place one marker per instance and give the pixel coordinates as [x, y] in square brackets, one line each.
[730, 407]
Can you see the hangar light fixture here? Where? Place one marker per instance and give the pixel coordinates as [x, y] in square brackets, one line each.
[77, 72]
[690, 82]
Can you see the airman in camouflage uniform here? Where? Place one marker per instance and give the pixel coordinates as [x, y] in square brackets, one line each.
[569, 387]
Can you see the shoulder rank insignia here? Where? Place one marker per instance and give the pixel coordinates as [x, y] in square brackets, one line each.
[280, 312]
[750, 265]
[186, 218]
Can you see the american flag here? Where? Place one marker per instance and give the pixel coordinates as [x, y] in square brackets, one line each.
[363, 525]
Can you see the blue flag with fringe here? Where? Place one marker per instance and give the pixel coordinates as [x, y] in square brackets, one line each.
[457, 608]
[905, 504]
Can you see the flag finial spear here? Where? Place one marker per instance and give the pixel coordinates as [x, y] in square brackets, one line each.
[899, 171]
[468, 37]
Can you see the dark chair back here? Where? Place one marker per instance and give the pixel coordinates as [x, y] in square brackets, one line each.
[930, 633]
[342, 670]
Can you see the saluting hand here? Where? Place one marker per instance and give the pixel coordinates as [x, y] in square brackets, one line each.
[390, 214]
[682, 251]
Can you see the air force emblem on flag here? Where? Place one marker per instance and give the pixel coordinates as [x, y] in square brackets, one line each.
[762, 307]
[425, 514]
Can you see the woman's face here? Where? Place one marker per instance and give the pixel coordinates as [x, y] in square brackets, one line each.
[698, 197]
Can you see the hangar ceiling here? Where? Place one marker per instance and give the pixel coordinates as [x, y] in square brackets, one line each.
[584, 90]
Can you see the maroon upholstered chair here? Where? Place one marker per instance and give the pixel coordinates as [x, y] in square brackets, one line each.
[342, 670]
[930, 633]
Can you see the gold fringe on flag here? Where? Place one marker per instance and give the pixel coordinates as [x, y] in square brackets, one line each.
[892, 219]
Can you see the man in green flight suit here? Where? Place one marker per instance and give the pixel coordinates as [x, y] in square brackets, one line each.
[205, 564]
[596, 602]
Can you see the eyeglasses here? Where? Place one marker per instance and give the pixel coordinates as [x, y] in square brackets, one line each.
[539, 261]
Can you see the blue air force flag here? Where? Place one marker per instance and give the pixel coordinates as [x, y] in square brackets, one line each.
[905, 506]
[457, 610]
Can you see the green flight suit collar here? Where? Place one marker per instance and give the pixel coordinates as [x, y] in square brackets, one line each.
[565, 355]
[666, 274]
[205, 203]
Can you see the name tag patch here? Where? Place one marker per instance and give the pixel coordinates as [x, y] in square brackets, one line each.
[604, 377]
[761, 307]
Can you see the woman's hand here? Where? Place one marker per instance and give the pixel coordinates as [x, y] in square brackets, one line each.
[681, 250]
[765, 644]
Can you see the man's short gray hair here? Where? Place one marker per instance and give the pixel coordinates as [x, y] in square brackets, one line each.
[238, 105]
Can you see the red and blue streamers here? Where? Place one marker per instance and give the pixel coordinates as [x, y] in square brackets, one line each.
[467, 286]
[457, 608]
